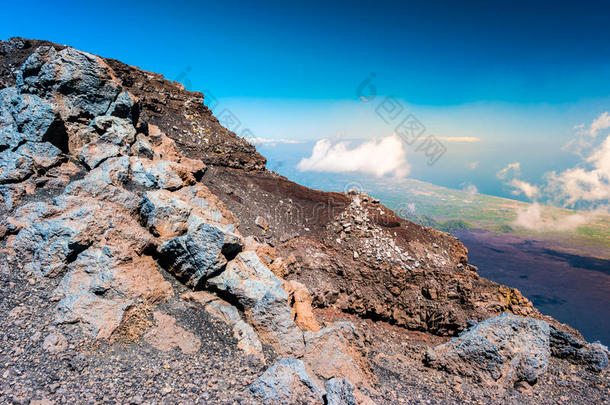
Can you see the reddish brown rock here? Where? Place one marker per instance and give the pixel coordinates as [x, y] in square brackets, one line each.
[167, 335]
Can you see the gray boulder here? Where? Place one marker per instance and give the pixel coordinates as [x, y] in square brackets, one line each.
[247, 280]
[125, 106]
[23, 117]
[498, 351]
[105, 183]
[566, 346]
[287, 382]
[339, 391]
[106, 137]
[79, 83]
[15, 167]
[94, 153]
[156, 173]
[163, 213]
[45, 247]
[114, 130]
[43, 154]
[197, 255]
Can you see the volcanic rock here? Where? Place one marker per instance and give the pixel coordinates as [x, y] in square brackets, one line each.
[123, 199]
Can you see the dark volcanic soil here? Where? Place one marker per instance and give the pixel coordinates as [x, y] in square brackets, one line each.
[573, 289]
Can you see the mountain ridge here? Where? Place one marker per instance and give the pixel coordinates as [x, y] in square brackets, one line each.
[135, 213]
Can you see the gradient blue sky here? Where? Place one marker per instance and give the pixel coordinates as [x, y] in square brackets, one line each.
[518, 75]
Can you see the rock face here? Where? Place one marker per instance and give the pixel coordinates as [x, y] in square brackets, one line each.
[504, 350]
[566, 346]
[144, 221]
[508, 349]
[288, 382]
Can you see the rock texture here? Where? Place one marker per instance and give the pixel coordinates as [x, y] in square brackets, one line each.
[136, 230]
[506, 349]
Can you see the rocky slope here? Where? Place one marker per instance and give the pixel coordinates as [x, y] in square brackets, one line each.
[148, 256]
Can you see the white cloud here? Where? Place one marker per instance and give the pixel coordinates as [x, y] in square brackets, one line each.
[524, 187]
[470, 188]
[379, 158]
[532, 218]
[590, 181]
[271, 142]
[516, 167]
[513, 170]
[600, 123]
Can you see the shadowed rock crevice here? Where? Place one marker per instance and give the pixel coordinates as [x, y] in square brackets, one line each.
[57, 135]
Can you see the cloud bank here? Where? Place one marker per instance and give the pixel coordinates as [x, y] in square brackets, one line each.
[524, 187]
[531, 218]
[588, 183]
[377, 157]
[514, 167]
[585, 186]
[599, 124]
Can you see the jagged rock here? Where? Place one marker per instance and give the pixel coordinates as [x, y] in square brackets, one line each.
[110, 129]
[106, 182]
[248, 281]
[43, 154]
[23, 118]
[106, 137]
[142, 148]
[11, 195]
[339, 391]
[101, 284]
[167, 214]
[78, 83]
[125, 106]
[199, 254]
[159, 174]
[15, 167]
[44, 247]
[566, 346]
[94, 153]
[288, 382]
[99, 317]
[164, 213]
[502, 350]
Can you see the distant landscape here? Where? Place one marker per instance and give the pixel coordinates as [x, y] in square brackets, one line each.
[565, 273]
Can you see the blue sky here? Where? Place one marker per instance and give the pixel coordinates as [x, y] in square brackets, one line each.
[517, 75]
[550, 52]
